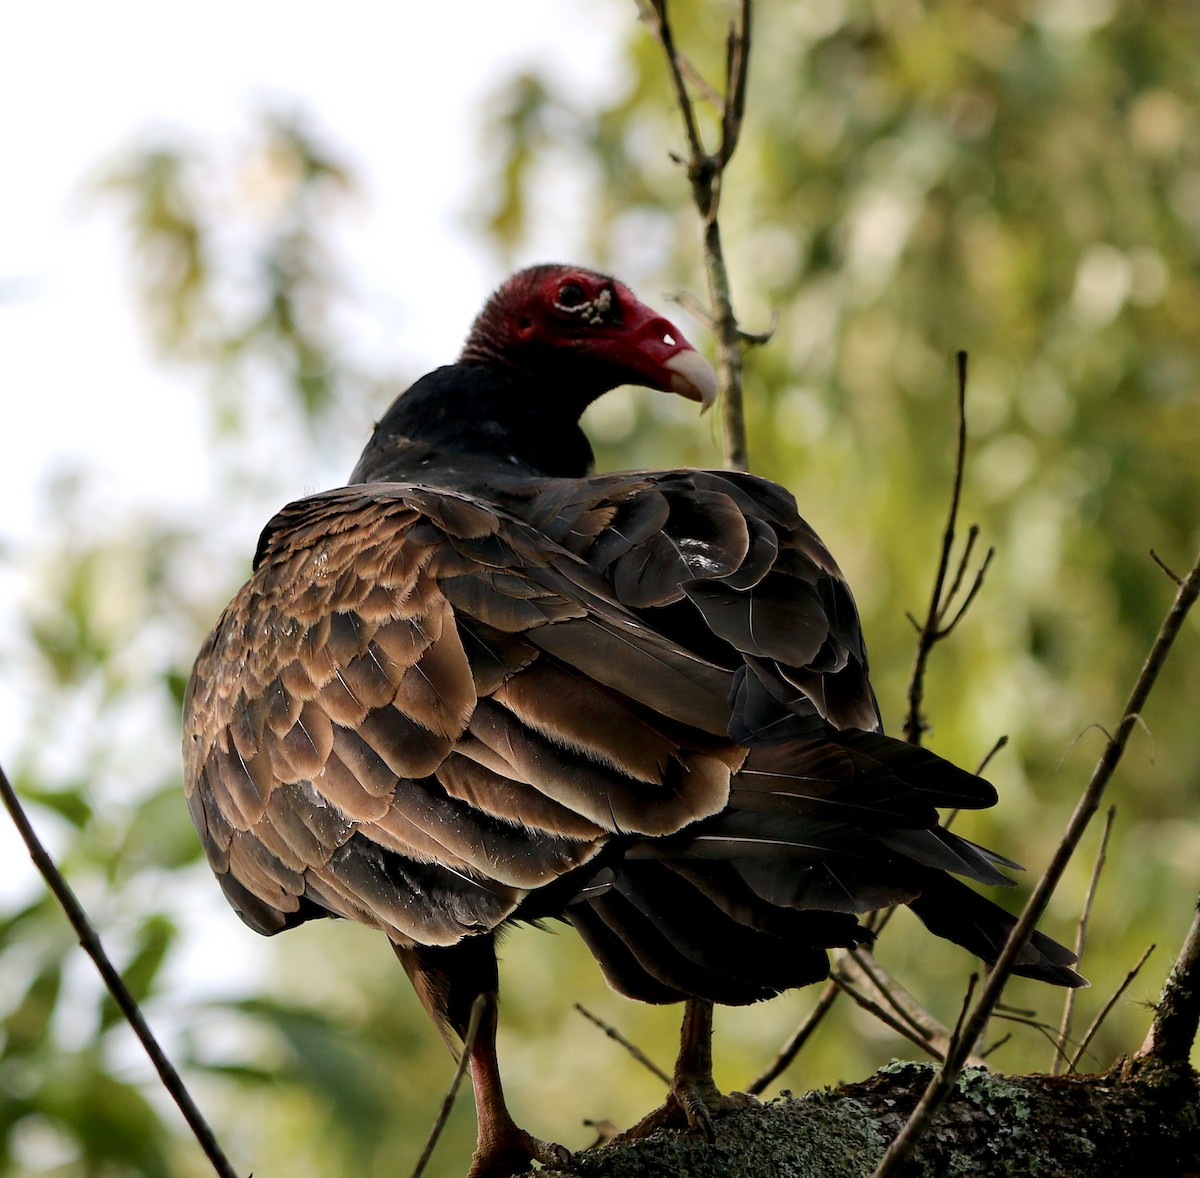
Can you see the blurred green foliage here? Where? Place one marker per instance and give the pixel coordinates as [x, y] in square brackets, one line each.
[1020, 180]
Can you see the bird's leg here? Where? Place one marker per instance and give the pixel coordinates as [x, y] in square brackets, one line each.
[502, 1147]
[694, 1098]
[692, 1085]
[448, 981]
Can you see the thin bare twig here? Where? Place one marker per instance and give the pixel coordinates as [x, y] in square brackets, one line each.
[456, 1080]
[705, 174]
[89, 939]
[800, 1036]
[995, 1046]
[884, 1016]
[629, 1046]
[1090, 1034]
[943, 1083]
[936, 627]
[1158, 560]
[894, 995]
[649, 16]
[756, 339]
[952, 815]
[693, 307]
[661, 27]
[957, 1035]
[1064, 1028]
[1001, 742]
[969, 546]
[1044, 1029]
[737, 72]
[1177, 1014]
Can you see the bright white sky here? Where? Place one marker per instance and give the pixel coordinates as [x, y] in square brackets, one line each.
[394, 87]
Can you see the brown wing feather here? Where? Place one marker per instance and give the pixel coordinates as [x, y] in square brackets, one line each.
[418, 710]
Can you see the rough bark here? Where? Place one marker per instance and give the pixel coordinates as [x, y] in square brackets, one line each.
[1140, 1119]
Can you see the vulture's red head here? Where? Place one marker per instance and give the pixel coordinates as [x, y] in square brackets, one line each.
[566, 323]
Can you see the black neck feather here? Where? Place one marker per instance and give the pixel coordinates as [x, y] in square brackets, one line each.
[473, 417]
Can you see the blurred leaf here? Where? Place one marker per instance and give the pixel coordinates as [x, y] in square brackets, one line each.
[323, 1059]
[68, 803]
[116, 1129]
[159, 834]
[171, 239]
[28, 1022]
[242, 1073]
[176, 682]
[156, 935]
[516, 132]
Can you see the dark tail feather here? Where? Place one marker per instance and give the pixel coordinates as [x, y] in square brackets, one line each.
[743, 905]
[952, 910]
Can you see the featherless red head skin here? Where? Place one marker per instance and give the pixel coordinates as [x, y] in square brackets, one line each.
[553, 319]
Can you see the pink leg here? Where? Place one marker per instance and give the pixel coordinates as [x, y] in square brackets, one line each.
[448, 980]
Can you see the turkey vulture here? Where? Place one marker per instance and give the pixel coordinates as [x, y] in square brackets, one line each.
[480, 685]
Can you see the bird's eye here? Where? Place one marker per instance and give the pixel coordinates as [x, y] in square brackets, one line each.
[571, 294]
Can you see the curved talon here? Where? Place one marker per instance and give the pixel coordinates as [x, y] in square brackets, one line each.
[689, 1106]
[554, 1154]
[694, 1101]
[668, 1115]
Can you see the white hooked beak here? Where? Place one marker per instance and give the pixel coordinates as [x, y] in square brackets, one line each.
[693, 377]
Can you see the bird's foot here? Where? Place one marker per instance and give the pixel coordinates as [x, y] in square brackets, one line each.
[690, 1105]
[513, 1152]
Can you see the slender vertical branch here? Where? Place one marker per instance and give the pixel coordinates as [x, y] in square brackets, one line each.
[943, 1082]
[1064, 1028]
[936, 626]
[89, 939]
[706, 175]
[661, 28]
[729, 353]
[737, 73]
